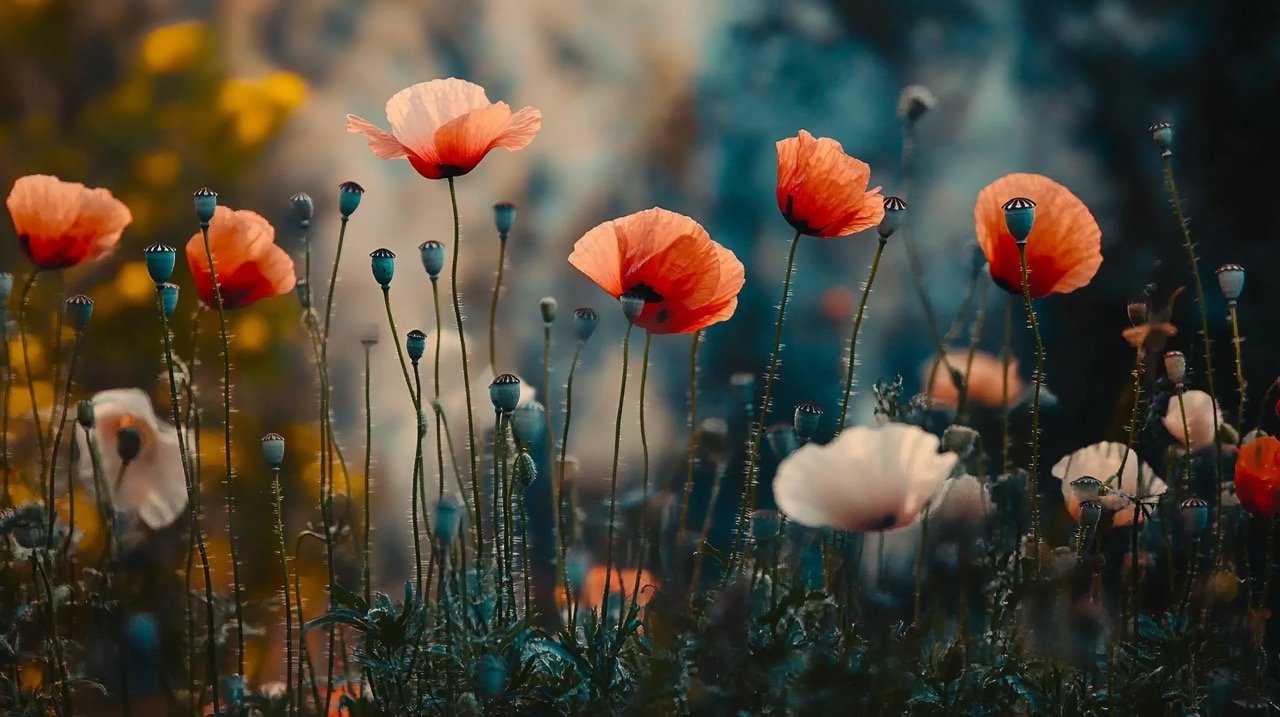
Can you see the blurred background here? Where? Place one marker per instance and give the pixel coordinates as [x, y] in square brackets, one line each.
[645, 102]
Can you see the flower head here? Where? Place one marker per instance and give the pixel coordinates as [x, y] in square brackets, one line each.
[1257, 476]
[822, 191]
[61, 224]
[1200, 409]
[249, 264]
[445, 127]
[1101, 462]
[986, 379]
[1063, 247]
[686, 280]
[866, 479]
[153, 487]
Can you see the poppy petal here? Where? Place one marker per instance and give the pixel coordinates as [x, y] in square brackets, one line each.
[383, 144]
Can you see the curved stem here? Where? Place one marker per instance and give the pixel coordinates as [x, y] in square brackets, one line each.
[6, 499]
[1133, 411]
[57, 439]
[1033, 497]
[418, 429]
[23, 301]
[277, 500]
[692, 457]
[613, 480]
[853, 338]
[644, 476]
[563, 520]
[466, 373]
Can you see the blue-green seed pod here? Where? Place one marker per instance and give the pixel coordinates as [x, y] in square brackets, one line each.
[128, 443]
[79, 309]
[1231, 281]
[1195, 516]
[415, 344]
[432, 257]
[349, 195]
[1090, 513]
[1162, 135]
[524, 470]
[529, 423]
[84, 413]
[160, 261]
[547, 305]
[168, 298]
[504, 215]
[1019, 215]
[448, 518]
[632, 306]
[782, 439]
[490, 673]
[808, 416]
[6, 286]
[303, 208]
[273, 449]
[895, 210]
[206, 200]
[505, 393]
[585, 321]
[383, 262]
[1087, 488]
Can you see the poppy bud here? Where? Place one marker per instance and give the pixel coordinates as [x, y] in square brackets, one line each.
[273, 449]
[895, 210]
[6, 286]
[914, 101]
[128, 443]
[808, 415]
[1090, 513]
[160, 261]
[1162, 135]
[782, 439]
[303, 208]
[524, 470]
[349, 195]
[1195, 516]
[79, 309]
[490, 672]
[1138, 312]
[432, 257]
[547, 305]
[84, 413]
[528, 423]
[383, 262]
[505, 393]
[1086, 489]
[632, 306]
[168, 298]
[206, 200]
[448, 518]
[1019, 215]
[504, 215]
[1231, 281]
[415, 344]
[1175, 366]
[303, 289]
[585, 320]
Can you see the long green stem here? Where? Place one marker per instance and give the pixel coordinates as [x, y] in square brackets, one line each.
[1133, 410]
[277, 500]
[644, 476]
[692, 450]
[1235, 342]
[1005, 358]
[6, 499]
[23, 301]
[613, 480]
[493, 305]
[559, 485]
[466, 372]
[853, 338]
[57, 436]
[1033, 492]
[742, 527]
[368, 468]
[418, 432]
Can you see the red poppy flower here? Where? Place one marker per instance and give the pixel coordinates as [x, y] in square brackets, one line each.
[445, 127]
[61, 224]
[822, 191]
[687, 280]
[249, 264]
[1063, 248]
[1258, 475]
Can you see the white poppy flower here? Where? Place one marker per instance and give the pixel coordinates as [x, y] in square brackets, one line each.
[867, 479]
[1102, 461]
[153, 487]
[1200, 409]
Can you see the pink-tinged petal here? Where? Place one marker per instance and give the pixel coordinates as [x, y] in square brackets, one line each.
[597, 255]
[383, 144]
[418, 111]
[461, 143]
[520, 131]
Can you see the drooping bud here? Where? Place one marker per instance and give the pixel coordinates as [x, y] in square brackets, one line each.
[303, 208]
[1195, 516]
[273, 449]
[206, 200]
[432, 253]
[79, 309]
[383, 263]
[1162, 135]
[504, 392]
[504, 215]
[585, 320]
[895, 210]
[1231, 281]
[349, 195]
[1175, 366]
[782, 439]
[415, 344]
[160, 261]
[128, 443]
[808, 416]
[632, 306]
[547, 305]
[524, 470]
[1019, 215]
[529, 423]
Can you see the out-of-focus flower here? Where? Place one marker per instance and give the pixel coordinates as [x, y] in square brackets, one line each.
[686, 279]
[174, 47]
[914, 101]
[822, 191]
[1102, 462]
[1200, 409]
[1257, 476]
[621, 584]
[1064, 246]
[445, 127]
[153, 487]
[1139, 336]
[61, 224]
[249, 264]
[256, 107]
[866, 479]
[986, 384]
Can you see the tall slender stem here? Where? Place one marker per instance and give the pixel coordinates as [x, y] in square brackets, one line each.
[1235, 342]
[466, 371]
[418, 432]
[613, 480]
[368, 468]
[853, 338]
[1033, 492]
[57, 437]
[6, 498]
[277, 500]
[1005, 358]
[562, 524]
[23, 301]
[493, 305]
[692, 457]
[1133, 411]
[644, 475]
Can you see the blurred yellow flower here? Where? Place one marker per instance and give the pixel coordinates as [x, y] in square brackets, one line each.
[159, 168]
[170, 48]
[257, 107]
[134, 283]
[251, 333]
[35, 353]
[20, 400]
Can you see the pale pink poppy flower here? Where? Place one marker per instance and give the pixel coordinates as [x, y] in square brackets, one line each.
[1102, 461]
[1200, 409]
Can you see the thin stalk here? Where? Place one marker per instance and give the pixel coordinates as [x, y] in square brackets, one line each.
[56, 365]
[558, 484]
[466, 371]
[692, 457]
[1005, 358]
[853, 338]
[419, 431]
[975, 335]
[6, 499]
[57, 438]
[1235, 342]
[59, 660]
[23, 301]
[493, 304]
[924, 538]
[277, 499]
[613, 480]
[644, 476]
[368, 467]
[695, 575]
[1133, 412]
[549, 447]
[757, 432]
[1033, 496]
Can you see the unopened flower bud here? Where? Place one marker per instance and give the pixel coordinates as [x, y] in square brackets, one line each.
[529, 423]
[524, 470]
[1195, 516]
[383, 263]
[432, 253]
[79, 309]
[415, 344]
[303, 208]
[504, 215]
[84, 413]
[547, 305]
[1090, 513]
[1162, 135]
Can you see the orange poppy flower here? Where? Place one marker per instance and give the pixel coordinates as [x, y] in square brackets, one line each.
[1063, 249]
[986, 385]
[1258, 476]
[621, 584]
[249, 264]
[445, 127]
[61, 224]
[687, 280]
[822, 191]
